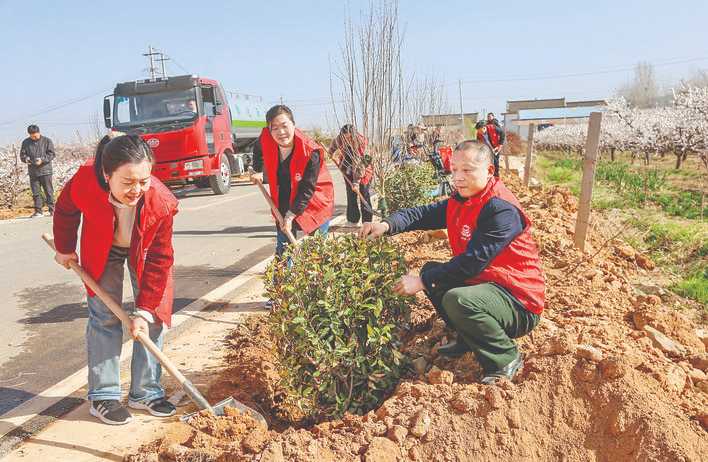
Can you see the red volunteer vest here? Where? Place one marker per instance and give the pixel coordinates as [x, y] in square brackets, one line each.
[493, 134]
[518, 267]
[151, 253]
[321, 205]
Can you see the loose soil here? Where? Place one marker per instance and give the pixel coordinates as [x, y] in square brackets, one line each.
[600, 381]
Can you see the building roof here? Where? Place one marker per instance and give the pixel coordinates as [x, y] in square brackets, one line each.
[556, 115]
[591, 102]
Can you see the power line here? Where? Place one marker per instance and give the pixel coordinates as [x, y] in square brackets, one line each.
[171, 58]
[577, 74]
[54, 107]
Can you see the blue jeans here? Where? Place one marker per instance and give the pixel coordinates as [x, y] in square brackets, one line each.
[104, 338]
[282, 240]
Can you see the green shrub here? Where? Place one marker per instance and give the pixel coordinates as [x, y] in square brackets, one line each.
[562, 175]
[695, 285]
[626, 180]
[686, 204]
[569, 163]
[410, 186]
[336, 323]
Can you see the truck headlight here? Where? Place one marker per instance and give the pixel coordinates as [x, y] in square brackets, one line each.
[194, 165]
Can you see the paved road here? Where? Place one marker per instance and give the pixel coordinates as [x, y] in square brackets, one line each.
[43, 306]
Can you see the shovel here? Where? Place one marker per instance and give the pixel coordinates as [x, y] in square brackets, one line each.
[276, 212]
[187, 386]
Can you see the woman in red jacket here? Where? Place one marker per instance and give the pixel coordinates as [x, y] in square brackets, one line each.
[299, 181]
[126, 215]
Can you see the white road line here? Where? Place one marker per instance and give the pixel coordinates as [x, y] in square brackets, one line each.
[212, 204]
[17, 416]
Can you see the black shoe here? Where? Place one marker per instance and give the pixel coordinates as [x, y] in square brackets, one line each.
[37, 214]
[454, 349]
[507, 372]
[159, 407]
[110, 412]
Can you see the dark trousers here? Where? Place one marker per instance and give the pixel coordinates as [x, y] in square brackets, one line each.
[496, 165]
[39, 184]
[355, 210]
[486, 317]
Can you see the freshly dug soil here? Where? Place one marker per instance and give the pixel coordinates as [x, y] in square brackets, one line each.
[610, 374]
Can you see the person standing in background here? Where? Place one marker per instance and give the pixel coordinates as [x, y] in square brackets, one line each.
[37, 152]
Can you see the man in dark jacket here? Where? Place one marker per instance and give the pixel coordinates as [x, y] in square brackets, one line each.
[492, 290]
[38, 152]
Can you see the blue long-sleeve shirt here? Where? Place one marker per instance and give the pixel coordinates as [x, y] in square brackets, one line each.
[498, 223]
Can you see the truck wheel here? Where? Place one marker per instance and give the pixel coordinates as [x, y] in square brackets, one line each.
[221, 182]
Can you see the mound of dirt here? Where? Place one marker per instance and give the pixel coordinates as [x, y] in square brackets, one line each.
[611, 373]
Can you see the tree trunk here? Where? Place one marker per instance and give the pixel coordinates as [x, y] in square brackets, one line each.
[612, 154]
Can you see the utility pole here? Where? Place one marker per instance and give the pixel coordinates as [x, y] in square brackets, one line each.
[162, 60]
[150, 55]
[281, 100]
[462, 112]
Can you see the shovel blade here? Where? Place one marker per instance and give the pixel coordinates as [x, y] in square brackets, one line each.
[219, 410]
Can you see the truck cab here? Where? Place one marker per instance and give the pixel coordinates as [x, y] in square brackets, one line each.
[186, 120]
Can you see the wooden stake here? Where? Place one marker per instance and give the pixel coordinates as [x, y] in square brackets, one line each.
[529, 154]
[589, 163]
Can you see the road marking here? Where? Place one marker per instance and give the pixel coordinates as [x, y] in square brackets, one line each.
[26, 411]
[223, 201]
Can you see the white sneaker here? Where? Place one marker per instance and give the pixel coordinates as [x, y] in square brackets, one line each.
[159, 407]
[110, 411]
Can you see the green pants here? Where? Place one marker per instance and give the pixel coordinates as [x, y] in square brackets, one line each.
[486, 317]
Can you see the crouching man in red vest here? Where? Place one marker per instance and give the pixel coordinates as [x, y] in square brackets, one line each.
[492, 290]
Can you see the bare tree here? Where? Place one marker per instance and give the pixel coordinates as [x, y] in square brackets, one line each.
[643, 91]
[370, 83]
[96, 127]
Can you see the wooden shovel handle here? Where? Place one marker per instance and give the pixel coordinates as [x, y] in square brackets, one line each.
[142, 337]
[276, 212]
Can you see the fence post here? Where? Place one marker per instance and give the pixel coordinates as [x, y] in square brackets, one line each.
[589, 163]
[529, 154]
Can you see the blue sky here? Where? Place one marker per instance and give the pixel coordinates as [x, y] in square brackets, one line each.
[55, 52]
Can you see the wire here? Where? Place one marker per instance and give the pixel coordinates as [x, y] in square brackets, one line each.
[177, 63]
[576, 74]
[53, 107]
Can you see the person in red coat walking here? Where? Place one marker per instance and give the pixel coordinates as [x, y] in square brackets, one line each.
[492, 290]
[352, 146]
[300, 184]
[126, 214]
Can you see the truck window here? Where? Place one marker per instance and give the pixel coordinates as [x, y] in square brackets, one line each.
[208, 100]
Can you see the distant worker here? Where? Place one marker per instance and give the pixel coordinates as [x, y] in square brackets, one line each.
[497, 137]
[37, 152]
[352, 146]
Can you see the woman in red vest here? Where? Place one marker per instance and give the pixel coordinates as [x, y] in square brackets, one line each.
[125, 215]
[357, 174]
[299, 181]
[493, 289]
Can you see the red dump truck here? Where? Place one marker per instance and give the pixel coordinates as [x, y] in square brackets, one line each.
[189, 124]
